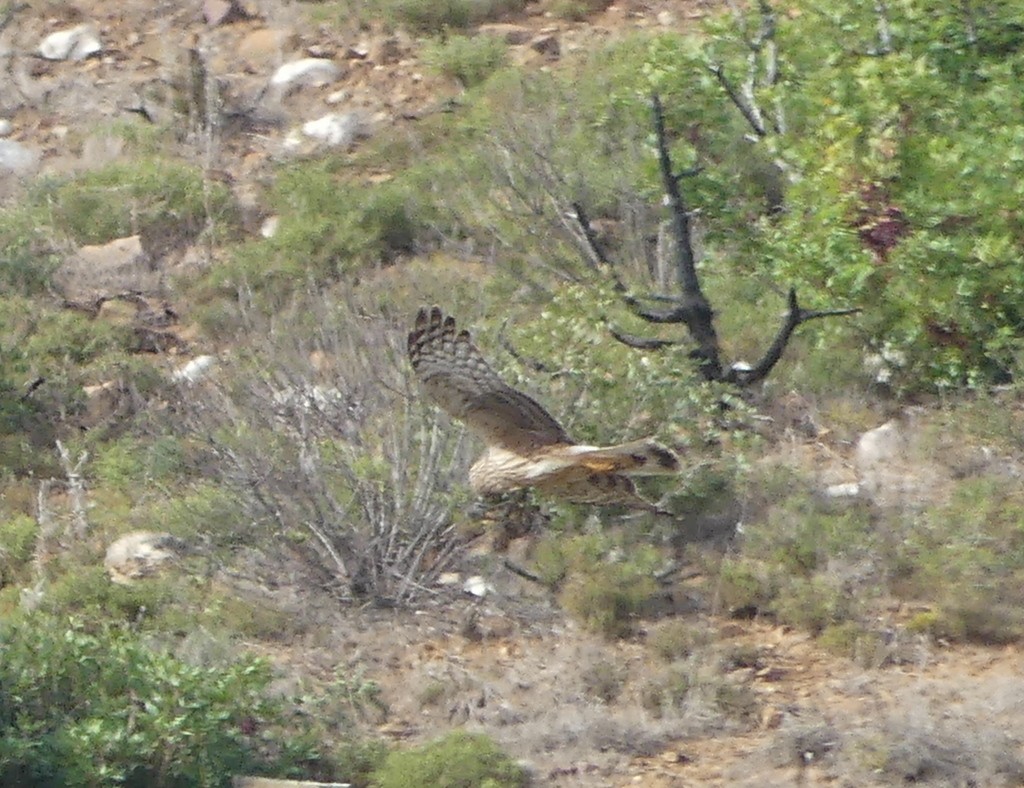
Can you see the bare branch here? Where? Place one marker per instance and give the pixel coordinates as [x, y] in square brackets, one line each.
[750, 114]
[794, 317]
[595, 255]
[635, 304]
[694, 309]
[642, 343]
[76, 489]
[530, 363]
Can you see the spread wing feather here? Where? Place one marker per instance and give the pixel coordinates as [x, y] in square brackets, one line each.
[458, 379]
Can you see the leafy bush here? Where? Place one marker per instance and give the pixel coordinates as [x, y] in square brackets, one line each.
[329, 226]
[469, 59]
[30, 249]
[162, 200]
[964, 556]
[458, 760]
[898, 149]
[17, 540]
[80, 708]
[436, 16]
[88, 593]
[602, 585]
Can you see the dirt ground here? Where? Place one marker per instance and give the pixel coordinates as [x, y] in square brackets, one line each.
[575, 707]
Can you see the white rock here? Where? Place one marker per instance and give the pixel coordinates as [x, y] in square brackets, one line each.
[336, 129]
[309, 398]
[292, 143]
[885, 444]
[314, 71]
[16, 158]
[477, 586]
[195, 370]
[269, 227]
[6, 127]
[76, 43]
[845, 490]
[448, 579]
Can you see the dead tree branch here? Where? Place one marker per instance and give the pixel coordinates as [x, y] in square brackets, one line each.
[794, 317]
[641, 343]
[690, 307]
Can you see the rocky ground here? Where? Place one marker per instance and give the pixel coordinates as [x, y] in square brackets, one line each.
[575, 707]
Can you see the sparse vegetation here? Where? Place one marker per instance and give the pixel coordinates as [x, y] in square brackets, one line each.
[867, 154]
[458, 760]
[469, 59]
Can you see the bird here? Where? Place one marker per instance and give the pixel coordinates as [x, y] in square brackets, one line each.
[525, 446]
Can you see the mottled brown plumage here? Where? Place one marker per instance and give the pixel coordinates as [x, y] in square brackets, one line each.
[526, 446]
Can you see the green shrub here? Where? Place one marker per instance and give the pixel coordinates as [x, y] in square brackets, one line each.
[81, 708]
[676, 639]
[17, 541]
[162, 200]
[30, 249]
[897, 207]
[604, 585]
[577, 10]
[437, 16]
[330, 226]
[745, 587]
[813, 604]
[458, 760]
[965, 557]
[608, 602]
[469, 59]
[87, 592]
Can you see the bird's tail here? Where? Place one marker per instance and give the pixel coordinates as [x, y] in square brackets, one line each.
[644, 457]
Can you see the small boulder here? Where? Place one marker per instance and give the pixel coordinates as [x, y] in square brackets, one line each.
[195, 370]
[141, 554]
[547, 44]
[477, 586]
[309, 71]
[103, 403]
[76, 43]
[338, 129]
[16, 159]
[106, 270]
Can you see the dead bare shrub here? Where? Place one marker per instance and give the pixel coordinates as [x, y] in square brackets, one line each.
[334, 454]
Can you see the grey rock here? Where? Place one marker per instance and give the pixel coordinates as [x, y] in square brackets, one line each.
[107, 270]
[547, 44]
[222, 12]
